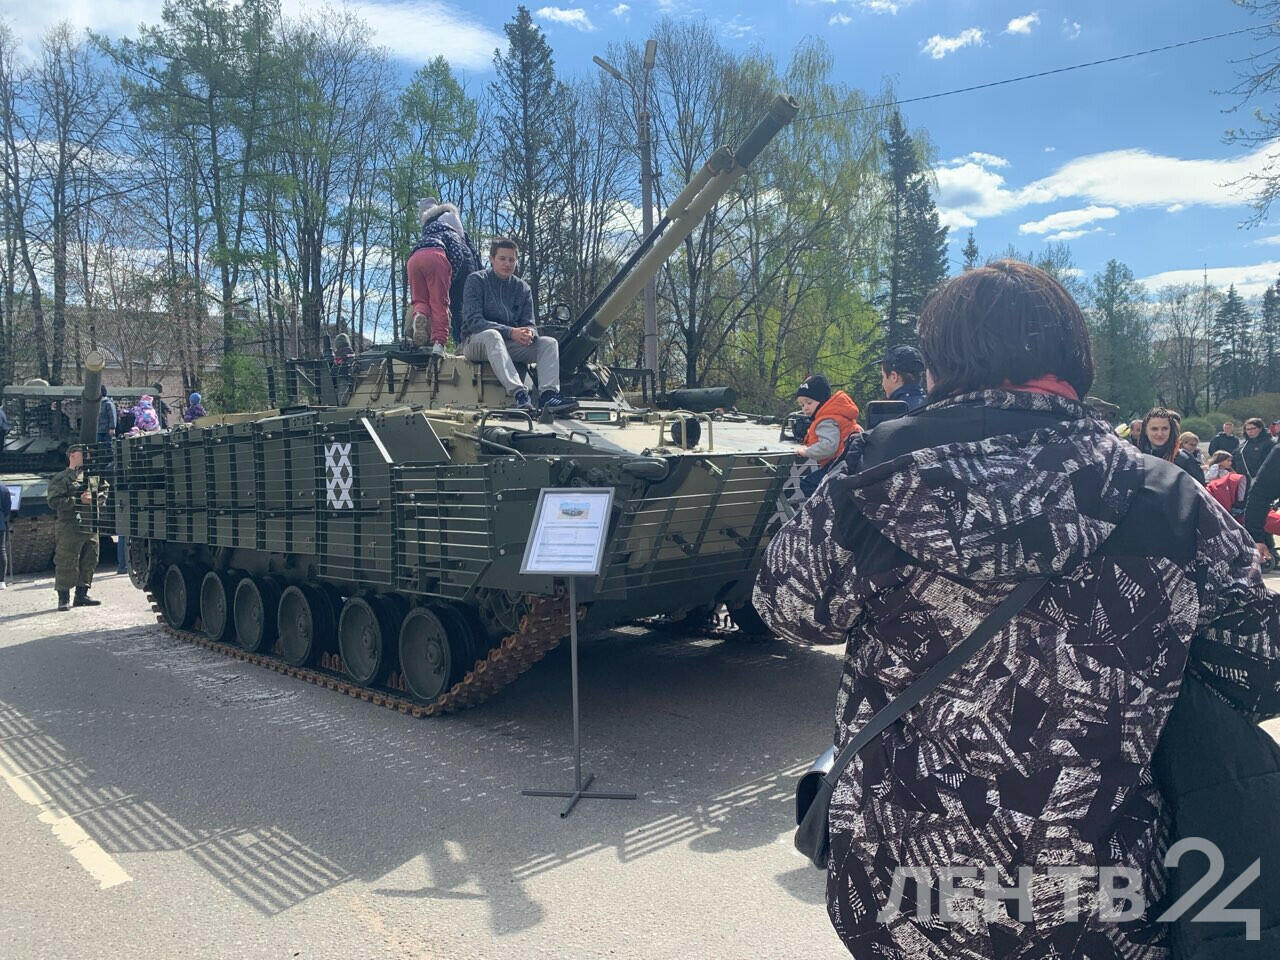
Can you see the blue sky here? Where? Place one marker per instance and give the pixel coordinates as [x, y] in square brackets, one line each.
[1125, 160]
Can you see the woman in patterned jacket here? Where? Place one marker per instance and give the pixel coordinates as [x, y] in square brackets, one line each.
[1036, 754]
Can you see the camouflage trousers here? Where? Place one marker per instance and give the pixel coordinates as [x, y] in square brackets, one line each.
[74, 559]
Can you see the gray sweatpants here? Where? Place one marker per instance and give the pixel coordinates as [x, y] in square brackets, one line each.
[492, 346]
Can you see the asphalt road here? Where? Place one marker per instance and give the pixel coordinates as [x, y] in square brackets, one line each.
[161, 801]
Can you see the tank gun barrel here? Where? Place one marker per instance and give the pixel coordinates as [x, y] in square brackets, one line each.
[681, 217]
[90, 397]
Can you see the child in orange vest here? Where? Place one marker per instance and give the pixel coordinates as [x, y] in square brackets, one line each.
[833, 417]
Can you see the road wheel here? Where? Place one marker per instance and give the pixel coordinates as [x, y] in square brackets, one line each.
[305, 624]
[431, 661]
[255, 609]
[367, 639]
[216, 593]
[180, 595]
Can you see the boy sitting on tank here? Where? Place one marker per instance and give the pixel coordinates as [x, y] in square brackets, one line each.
[497, 326]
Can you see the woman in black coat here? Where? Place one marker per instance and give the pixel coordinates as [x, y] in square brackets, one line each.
[1257, 444]
[1037, 753]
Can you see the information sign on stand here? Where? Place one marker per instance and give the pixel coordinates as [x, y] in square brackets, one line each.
[567, 539]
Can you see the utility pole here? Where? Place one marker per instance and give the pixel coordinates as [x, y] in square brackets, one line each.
[641, 98]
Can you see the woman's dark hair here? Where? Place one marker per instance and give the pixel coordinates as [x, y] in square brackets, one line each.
[1007, 322]
[502, 243]
[1168, 450]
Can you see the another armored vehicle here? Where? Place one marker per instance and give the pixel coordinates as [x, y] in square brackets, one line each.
[43, 422]
[372, 540]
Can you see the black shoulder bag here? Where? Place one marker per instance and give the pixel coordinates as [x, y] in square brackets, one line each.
[813, 792]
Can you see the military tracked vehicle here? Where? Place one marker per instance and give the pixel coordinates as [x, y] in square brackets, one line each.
[368, 533]
[43, 422]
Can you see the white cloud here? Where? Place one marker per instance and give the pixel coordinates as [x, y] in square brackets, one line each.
[839, 20]
[1272, 241]
[736, 29]
[1023, 25]
[983, 159]
[1069, 219]
[1070, 28]
[1250, 280]
[574, 17]
[939, 46]
[414, 32]
[1123, 179]
[1050, 149]
[890, 7]
[620, 10]
[1070, 234]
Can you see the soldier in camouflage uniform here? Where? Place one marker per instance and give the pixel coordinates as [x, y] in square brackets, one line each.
[76, 553]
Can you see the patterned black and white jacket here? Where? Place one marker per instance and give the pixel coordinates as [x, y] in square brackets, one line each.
[1037, 753]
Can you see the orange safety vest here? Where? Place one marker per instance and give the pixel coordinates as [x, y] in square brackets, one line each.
[843, 412]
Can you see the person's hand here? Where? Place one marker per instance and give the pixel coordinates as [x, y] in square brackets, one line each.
[522, 335]
[1264, 552]
[801, 451]
[86, 498]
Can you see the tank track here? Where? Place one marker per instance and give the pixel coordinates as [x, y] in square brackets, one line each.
[31, 543]
[542, 628]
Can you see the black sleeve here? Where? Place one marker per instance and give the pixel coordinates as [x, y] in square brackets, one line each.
[1192, 466]
[1264, 491]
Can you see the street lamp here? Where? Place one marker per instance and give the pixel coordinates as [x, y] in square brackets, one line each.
[641, 98]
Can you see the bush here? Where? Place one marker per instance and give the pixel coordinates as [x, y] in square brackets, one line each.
[1239, 409]
[1202, 427]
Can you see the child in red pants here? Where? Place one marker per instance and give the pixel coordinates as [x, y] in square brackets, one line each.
[436, 271]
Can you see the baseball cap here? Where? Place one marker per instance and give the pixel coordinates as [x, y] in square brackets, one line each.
[903, 359]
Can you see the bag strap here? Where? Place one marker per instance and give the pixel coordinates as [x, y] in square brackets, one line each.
[1007, 609]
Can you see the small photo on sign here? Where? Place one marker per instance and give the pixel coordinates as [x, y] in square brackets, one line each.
[575, 511]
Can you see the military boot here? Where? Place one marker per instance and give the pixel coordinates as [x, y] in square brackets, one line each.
[64, 599]
[84, 600]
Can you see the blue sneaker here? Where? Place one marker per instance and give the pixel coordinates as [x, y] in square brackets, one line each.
[551, 402]
[522, 400]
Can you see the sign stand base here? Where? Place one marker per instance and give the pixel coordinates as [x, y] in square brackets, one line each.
[579, 792]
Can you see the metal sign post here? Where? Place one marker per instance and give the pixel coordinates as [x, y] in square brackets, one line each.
[567, 539]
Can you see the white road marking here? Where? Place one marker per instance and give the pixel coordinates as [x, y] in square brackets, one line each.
[87, 852]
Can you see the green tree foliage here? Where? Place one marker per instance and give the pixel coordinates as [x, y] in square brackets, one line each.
[916, 245]
[1232, 335]
[525, 94]
[1121, 329]
[1268, 353]
[970, 252]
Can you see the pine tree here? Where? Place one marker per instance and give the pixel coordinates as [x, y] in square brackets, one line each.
[1269, 339]
[1121, 333]
[970, 252]
[917, 243]
[525, 95]
[1231, 340]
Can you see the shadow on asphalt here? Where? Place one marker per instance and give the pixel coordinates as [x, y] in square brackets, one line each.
[281, 790]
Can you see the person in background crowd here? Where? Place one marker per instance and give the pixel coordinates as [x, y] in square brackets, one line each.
[438, 267]
[833, 418]
[1033, 752]
[125, 421]
[6, 506]
[1274, 429]
[4, 426]
[1159, 433]
[1257, 444]
[1225, 439]
[1263, 492]
[1188, 457]
[145, 418]
[342, 350]
[497, 326]
[195, 409]
[900, 373]
[1220, 464]
[162, 409]
[1135, 431]
[107, 417]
